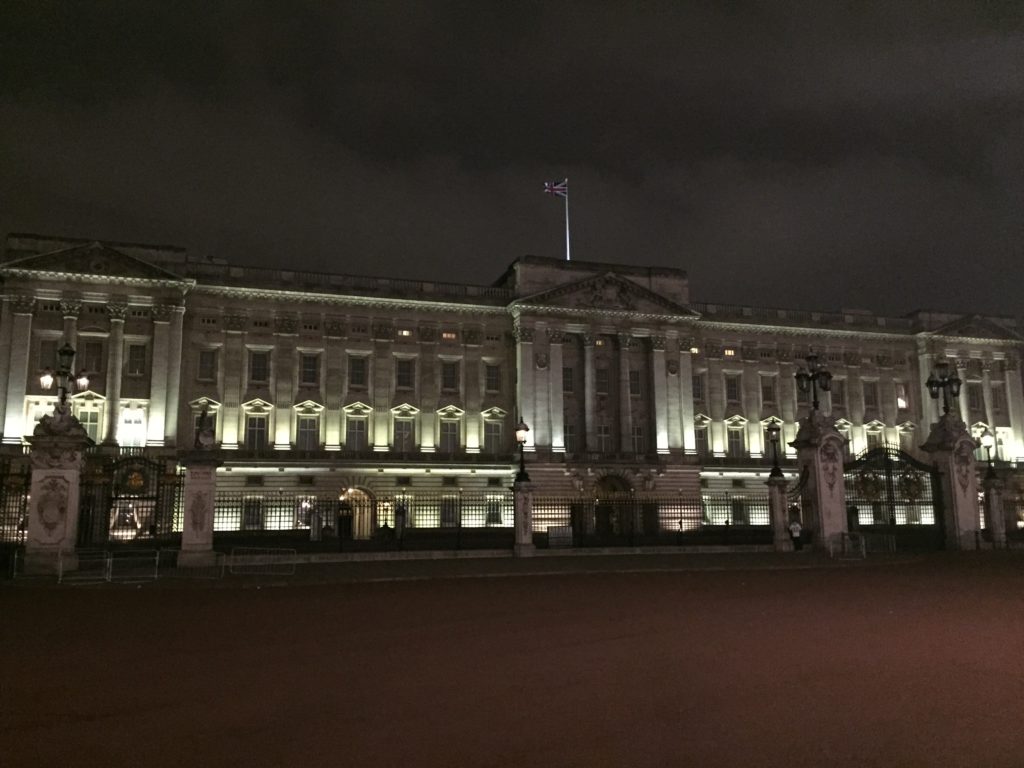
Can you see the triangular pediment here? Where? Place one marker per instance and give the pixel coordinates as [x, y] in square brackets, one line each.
[93, 260]
[977, 327]
[607, 293]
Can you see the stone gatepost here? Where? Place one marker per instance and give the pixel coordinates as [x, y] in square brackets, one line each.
[820, 456]
[522, 499]
[57, 446]
[995, 519]
[200, 492]
[777, 509]
[952, 449]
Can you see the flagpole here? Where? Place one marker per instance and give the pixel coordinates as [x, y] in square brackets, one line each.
[567, 258]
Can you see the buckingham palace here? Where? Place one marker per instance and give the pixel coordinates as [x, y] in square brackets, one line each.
[335, 384]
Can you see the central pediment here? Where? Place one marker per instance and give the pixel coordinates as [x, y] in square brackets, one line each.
[606, 293]
[93, 260]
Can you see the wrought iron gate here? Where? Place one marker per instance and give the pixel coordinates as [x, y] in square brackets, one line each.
[890, 492]
[130, 499]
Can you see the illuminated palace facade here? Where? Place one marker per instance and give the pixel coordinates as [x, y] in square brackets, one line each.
[338, 381]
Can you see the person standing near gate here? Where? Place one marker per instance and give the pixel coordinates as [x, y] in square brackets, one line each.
[795, 530]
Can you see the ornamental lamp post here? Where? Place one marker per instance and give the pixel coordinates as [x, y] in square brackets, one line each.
[813, 377]
[65, 359]
[942, 381]
[521, 429]
[774, 430]
[988, 442]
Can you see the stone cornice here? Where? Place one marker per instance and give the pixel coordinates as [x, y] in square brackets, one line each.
[970, 340]
[803, 331]
[604, 316]
[183, 284]
[371, 302]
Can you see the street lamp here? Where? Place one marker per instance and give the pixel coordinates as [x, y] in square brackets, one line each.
[774, 430]
[988, 442]
[521, 430]
[813, 377]
[65, 359]
[942, 381]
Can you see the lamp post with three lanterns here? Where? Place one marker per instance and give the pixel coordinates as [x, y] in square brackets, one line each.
[63, 378]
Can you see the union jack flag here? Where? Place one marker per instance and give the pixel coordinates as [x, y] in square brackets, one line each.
[557, 188]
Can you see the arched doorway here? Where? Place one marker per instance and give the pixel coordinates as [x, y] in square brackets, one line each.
[612, 511]
[361, 506]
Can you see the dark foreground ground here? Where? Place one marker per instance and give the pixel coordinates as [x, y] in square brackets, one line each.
[916, 663]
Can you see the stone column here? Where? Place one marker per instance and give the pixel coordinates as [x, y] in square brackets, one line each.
[57, 445]
[524, 372]
[1015, 404]
[986, 395]
[156, 425]
[115, 364]
[963, 403]
[17, 369]
[995, 520]
[660, 396]
[557, 397]
[952, 449]
[233, 367]
[522, 498]
[334, 382]
[589, 393]
[5, 357]
[174, 375]
[820, 452]
[777, 509]
[686, 394]
[925, 366]
[200, 493]
[70, 309]
[625, 402]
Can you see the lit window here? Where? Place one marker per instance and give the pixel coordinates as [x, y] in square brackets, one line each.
[404, 332]
[449, 335]
[599, 343]
[730, 352]
[694, 350]
[901, 396]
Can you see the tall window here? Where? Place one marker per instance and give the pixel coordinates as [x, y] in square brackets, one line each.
[256, 431]
[870, 394]
[568, 382]
[998, 398]
[737, 445]
[405, 373]
[492, 436]
[732, 388]
[604, 438]
[700, 435]
[569, 432]
[91, 421]
[838, 393]
[355, 433]
[404, 435]
[136, 364]
[48, 354]
[975, 401]
[767, 389]
[902, 399]
[211, 418]
[874, 439]
[601, 381]
[259, 367]
[131, 432]
[450, 376]
[307, 432]
[207, 365]
[634, 383]
[90, 357]
[698, 387]
[907, 440]
[309, 369]
[357, 373]
[492, 378]
[449, 436]
[639, 442]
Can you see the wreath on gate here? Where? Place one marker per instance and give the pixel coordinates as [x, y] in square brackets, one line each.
[911, 485]
[869, 484]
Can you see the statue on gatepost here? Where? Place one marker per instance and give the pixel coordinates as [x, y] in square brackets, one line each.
[820, 451]
[200, 493]
[952, 449]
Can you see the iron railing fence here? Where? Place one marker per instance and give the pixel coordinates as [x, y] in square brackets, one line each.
[14, 492]
[415, 520]
[643, 519]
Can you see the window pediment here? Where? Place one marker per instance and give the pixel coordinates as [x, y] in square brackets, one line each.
[308, 408]
[204, 402]
[700, 420]
[88, 397]
[494, 413]
[735, 421]
[357, 409]
[405, 410]
[451, 412]
[258, 407]
[874, 426]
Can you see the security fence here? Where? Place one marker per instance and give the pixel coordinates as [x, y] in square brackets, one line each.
[360, 523]
[644, 520]
[14, 490]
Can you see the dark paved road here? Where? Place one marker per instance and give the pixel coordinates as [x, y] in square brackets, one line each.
[916, 663]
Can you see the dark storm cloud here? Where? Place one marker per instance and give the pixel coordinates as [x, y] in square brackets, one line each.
[822, 155]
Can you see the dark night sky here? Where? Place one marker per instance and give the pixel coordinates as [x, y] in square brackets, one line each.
[827, 155]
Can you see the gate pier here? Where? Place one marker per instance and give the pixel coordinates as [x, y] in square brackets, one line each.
[820, 453]
[952, 449]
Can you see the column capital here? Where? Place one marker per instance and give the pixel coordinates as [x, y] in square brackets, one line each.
[589, 339]
[70, 308]
[556, 335]
[117, 312]
[161, 313]
[658, 343]
[626, 342]
[522, 333]
[23, 304]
